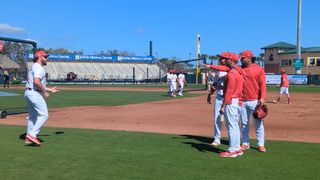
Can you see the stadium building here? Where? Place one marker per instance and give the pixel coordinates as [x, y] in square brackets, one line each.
[103, 68]
[282, 55]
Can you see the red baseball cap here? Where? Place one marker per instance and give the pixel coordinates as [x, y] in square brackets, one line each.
[246, 53]
[40, 53]
[234, 56]
[282, 70]
[224, 55]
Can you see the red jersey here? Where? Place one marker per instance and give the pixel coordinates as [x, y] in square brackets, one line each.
[254, 84]
[232, 88]
[284, 80]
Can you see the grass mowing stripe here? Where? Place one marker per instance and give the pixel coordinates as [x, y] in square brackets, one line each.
[96, 154]
[297, 88]
[69, 98]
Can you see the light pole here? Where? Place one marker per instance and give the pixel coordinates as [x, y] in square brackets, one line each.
[197, 57]
[298, 56]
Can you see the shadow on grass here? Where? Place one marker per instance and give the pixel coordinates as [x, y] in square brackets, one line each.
[204, 147]
[203, 144]
[23, 135]
[59, 132]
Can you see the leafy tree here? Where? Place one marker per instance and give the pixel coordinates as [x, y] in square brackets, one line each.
[212, 58]
[18, 52]
[62, 51]
[168, 63]
[204, 57]
[114, 52]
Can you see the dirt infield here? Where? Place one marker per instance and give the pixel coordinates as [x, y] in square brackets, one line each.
[299, 121]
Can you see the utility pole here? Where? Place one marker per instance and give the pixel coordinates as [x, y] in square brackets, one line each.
[197, 57]
[298, 56]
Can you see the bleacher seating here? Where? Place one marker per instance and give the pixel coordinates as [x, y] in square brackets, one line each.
[58, 70]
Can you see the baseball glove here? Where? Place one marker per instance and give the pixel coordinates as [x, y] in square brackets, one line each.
[260, 112]
[209, 99]
[71, 76]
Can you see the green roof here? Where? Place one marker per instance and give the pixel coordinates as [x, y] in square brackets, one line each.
[303, 50]
[280, 45]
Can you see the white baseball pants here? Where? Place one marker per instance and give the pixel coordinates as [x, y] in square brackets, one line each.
[38, 112]
[246, 114]
[232, 113]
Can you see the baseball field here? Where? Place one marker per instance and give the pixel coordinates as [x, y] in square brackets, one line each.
[137, 132]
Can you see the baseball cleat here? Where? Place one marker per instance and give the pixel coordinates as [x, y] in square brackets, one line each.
[275, 101]
[244, 147]
[229, 154]
[239, 152]
[27, 141]
[215, 143]
[262, 149]
[33, 139]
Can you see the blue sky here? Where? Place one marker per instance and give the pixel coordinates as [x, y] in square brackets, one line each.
[172, 25]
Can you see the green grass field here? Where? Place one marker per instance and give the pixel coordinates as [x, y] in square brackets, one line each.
[93, 154]
[163, 85]
[96, 154]
[69, 98]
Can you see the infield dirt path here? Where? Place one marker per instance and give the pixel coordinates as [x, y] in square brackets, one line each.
[299, 121]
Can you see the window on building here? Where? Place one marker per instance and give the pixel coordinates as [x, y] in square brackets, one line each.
[286, 62]
[312, 61]
[271, 57]
[318, 61]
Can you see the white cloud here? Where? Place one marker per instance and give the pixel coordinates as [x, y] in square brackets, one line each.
[7, 28]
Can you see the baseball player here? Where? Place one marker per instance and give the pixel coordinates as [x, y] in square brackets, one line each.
[173, 83]
[254, 93]
[37, 107]
[284, 87]
[217, 86]
[1, 47]
[168, 82]
[6, 78]
[232, 95]
[181, 82]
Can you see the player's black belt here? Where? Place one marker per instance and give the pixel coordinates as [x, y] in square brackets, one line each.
[30, 89]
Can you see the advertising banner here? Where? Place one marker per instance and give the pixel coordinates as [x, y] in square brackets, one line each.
[272, 79]
[76, 57]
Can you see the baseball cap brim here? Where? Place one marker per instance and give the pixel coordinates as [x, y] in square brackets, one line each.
[219, 55]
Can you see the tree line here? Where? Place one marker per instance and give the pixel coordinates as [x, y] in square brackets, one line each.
[17, 52]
